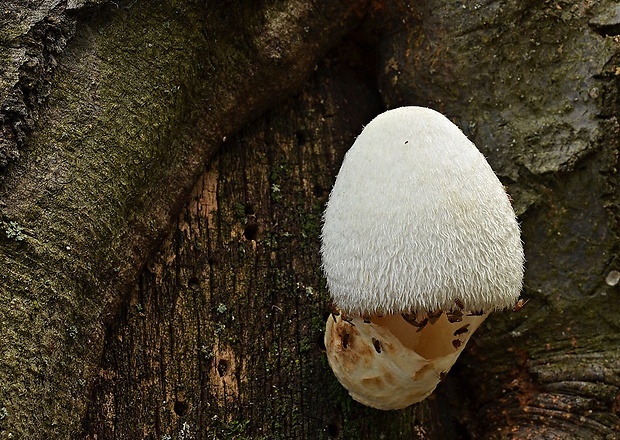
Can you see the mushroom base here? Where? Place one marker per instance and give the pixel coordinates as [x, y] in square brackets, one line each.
[393, 361]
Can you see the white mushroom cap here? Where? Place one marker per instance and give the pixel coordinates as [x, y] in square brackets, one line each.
[417, 219]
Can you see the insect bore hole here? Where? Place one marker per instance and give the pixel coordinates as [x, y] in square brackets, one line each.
[222, 367]
[180, 408]
[251, 230]
[333, 430]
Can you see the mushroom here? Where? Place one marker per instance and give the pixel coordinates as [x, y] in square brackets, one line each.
[419, 244]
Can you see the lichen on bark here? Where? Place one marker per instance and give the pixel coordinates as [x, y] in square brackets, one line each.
[143, 95]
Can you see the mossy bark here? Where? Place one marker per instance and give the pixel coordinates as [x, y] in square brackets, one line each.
[142, 96]
[220, 336]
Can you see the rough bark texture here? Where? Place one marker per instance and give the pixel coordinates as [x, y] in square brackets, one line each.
[535, 86]
[140, 99]
[220, 336]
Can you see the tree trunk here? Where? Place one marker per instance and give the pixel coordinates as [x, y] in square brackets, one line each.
[140, 98]
[216, 331]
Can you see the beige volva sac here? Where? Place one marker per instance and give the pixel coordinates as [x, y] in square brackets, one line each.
[419, 243]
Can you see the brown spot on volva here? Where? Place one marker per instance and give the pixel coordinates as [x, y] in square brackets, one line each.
[345, 340]
[455, 316]
[347, 346]
[389, 377]
[347, 334]
[422, 371]
[461, 330]
[377, 345]
[373, 382]
[434, 316]
[411, 319]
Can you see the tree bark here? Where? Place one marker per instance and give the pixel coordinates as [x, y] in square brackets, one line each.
[535, 86]
[216, 332]
[139, 100]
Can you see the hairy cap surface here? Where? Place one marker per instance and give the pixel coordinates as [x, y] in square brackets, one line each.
[418, 219]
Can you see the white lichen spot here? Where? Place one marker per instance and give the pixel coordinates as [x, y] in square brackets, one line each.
[14, 232]
[612, 278]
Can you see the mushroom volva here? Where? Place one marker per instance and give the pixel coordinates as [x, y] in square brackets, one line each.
[419, 243]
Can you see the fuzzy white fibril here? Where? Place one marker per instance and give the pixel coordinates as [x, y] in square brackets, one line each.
[418, 219]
